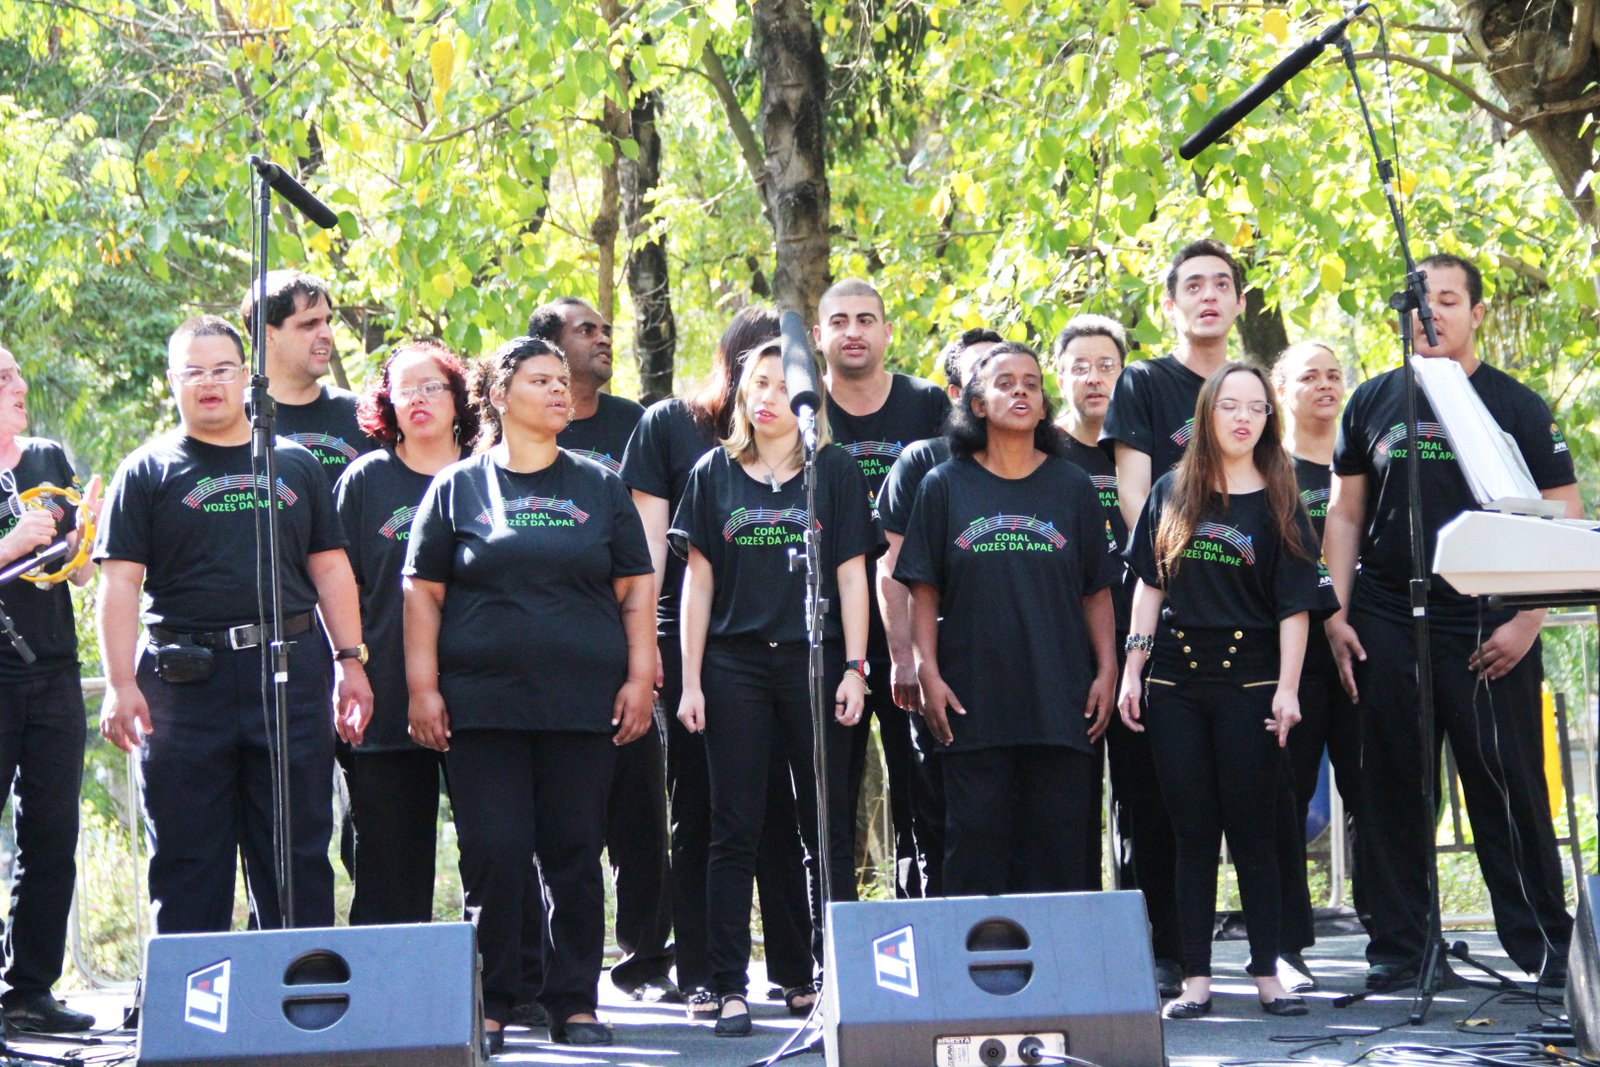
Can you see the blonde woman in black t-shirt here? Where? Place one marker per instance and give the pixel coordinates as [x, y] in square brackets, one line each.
[1227, 567]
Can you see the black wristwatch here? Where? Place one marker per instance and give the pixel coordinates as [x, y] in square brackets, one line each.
[358, 653]
[860, 666]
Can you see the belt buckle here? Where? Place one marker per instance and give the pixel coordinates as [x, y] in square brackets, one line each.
[237, 633]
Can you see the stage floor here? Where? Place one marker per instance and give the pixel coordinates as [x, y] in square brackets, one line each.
[658, 1035]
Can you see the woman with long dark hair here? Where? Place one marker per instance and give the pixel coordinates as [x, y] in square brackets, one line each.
[745, 654]
[1228, 577]
[418, 410]
[1010, 575]
[529, 657]
[668, 442]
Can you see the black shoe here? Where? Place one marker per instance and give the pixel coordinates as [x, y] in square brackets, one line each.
[580, 1033]
[1389, 975]
[801, 999]
[1187, 1009]
[733, 1025]
[530, 1015]
[656, 991]
[494, 1041]
[1284, 1006]
[1554, 975]
[701, 1004]
[45, 1014]
[1169, 979]
[1298, 978]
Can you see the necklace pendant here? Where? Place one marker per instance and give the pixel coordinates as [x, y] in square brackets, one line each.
[772, 480]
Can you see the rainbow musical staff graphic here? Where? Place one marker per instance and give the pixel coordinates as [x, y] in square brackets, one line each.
[398, 521]
[1215, 531]
[982, 528]
[887, 449]
[1426, 431]
[612, 465]
[743, 518]
[1184, 434]
[324, 442]
[206, 488]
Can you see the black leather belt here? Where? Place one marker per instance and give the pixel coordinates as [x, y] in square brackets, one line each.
[250, 635]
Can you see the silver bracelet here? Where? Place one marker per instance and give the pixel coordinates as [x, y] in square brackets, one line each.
[1139, 643]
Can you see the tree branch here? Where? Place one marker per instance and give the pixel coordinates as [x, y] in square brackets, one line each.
[738, 121]
[1451, 80]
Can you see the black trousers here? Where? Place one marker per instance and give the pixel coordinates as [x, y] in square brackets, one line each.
[207, 785]
[394, 811]
[42, 735]
[522, 797]
[894, 735]
[1495, 733]
[780, 858]
[928, 805]
[758, 715]
[636, 844]
[1220, 773]
[1020, 819]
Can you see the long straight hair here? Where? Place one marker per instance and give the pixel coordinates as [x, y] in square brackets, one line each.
[1200, 485]
[741, 439]
[712, 406]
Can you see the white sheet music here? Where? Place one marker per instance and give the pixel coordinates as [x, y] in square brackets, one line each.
[1489, 457]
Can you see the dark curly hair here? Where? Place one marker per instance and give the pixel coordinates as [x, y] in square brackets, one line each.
[496, 372]
[950, 355]
[375, 411]
[968, 433]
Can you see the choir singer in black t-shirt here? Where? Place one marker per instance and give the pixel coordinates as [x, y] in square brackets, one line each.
[418, 410]
[1227, 565]
[529, 658]
[1010, 574]
[745, 654]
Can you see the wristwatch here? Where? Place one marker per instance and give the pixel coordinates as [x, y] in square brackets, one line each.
[358, 653]
[860, 666]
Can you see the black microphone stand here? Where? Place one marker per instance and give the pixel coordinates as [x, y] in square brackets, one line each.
[1434, 972]
[16, 570]
[269, 580]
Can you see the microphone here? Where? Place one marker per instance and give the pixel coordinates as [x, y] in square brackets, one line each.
[800, 374]
[1270, 83]
[298, 195]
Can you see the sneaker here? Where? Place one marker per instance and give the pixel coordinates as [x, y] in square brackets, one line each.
[1295, 974]
[45, 1014]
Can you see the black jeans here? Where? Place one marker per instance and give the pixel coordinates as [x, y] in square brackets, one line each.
[780, 858]
[636, 844]
[1146, 849]
[894, 734]
[1496, 734]
[928, 805]
[758, 714]
[1220, 772]
[521, 796]
[394, 809]
[1020, 819]
[207, 785]
[42, 735]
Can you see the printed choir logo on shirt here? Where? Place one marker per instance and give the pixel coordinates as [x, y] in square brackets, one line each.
[751, 527]
[1184, 434]
[537, 511]
[237, 492]
[602, 458]
[1010, 533]
[1558, 440]
[1106, 486]
[1215, 543]
[875, 457]
[398, 528]
[330, 450]
[1431, 442]
[1316, 502]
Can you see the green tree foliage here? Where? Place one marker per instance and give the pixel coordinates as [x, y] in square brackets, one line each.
[999, 161]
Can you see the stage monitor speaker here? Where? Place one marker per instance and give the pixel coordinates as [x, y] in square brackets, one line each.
[991, 982]
[358, 996]
[1583, 972]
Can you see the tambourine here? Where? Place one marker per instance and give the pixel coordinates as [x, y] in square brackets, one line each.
[34, 500]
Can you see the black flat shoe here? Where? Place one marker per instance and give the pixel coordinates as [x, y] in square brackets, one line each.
[495, 1041]
[1285, 1007]
[1169, 979]
[1299, 978]
[801, 999]
[580, 1033]
[733, 1025]
[1389, 975]
[1187, 1009]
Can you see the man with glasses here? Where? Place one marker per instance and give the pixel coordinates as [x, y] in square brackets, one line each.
[42, 732]
[180, 526]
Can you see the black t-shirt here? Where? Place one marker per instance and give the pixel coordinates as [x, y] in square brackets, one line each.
[1103, 473]
[1235, 572]
[327, 426]
[899, 489]
[664, 449]
[532, 636]
[1012, 560]
[913, 411]
[42, 614]
[1152, 411]
[1372, 442]
[1315, 481]
[377, 497]
[185, 510]
[603, 436]
[746, 530]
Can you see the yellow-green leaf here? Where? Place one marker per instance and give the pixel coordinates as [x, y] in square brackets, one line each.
[976, 199]
[723, 12]
[1330, 273]
[442, 60]
[1275, 24]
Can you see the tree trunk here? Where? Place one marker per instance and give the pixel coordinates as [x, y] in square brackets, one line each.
[1261, 330]
[794, 84]
[604, 228]
[655, 332]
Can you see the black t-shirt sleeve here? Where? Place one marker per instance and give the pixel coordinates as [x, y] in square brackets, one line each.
[647, 462]
[922, 556]
[1141, 553]
[1129, 417]
[899, 489]
[125, 522]
[432, 549]
[1299, 583]
[1352, 448]
[347, 503]
[630, 552]
[855, 531]
[1543, 446]
[693, 524]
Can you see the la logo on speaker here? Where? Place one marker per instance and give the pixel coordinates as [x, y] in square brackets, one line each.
[894, 959]
[205, 1004]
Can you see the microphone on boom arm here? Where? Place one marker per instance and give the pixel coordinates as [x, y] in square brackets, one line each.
[285, 186]
[800, 374]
